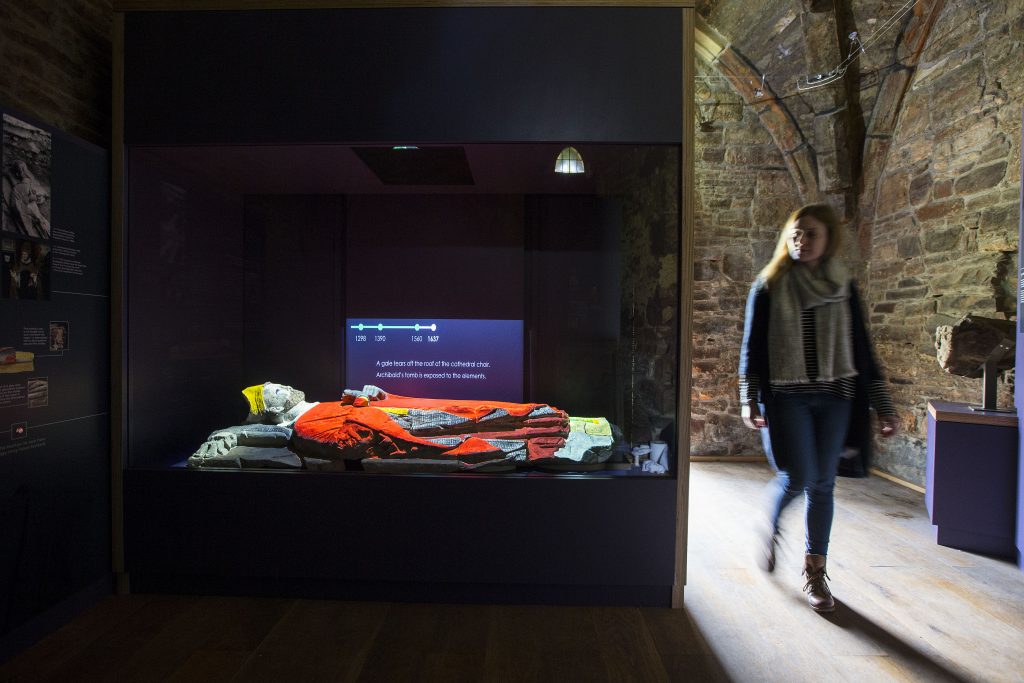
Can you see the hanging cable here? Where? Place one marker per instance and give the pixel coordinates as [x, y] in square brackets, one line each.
[823, 79]
[857, 48]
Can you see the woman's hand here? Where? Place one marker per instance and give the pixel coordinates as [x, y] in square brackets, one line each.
[752, 417]
[888, 425]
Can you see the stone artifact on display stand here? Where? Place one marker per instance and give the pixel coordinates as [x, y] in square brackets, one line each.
[977, 347]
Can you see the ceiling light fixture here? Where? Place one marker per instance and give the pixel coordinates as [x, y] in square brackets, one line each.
[569, 161]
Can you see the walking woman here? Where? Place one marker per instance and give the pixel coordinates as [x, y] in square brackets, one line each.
[807, 375]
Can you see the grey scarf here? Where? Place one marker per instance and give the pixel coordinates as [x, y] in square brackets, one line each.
[827, 291]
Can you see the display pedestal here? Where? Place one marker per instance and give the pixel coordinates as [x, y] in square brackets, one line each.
[533, 539]
[972, 477]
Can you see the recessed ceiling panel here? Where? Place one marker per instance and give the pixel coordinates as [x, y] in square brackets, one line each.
[405, 165]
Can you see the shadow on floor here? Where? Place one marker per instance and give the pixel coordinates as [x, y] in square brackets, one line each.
[922, 664]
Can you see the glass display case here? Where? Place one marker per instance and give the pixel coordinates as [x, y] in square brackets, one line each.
[378, 341]
[543, 304]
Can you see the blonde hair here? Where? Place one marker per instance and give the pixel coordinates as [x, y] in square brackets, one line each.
[781, 261]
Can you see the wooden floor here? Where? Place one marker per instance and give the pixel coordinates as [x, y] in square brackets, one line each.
[908, 610]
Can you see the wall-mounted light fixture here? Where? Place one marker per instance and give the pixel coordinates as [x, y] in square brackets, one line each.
[569, 161]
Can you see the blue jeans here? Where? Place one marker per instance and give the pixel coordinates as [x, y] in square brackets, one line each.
[808, 431]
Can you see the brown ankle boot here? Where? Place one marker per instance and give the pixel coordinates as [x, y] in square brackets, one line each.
[819, 597]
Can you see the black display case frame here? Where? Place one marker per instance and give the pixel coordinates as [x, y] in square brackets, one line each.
[564, 539]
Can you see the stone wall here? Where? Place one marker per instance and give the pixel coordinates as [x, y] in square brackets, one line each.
[55, 61]
[744, 193]
[919, 149]
[943, 230]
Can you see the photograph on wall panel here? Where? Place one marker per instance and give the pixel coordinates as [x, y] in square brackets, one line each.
[27, 156]
[26, 266]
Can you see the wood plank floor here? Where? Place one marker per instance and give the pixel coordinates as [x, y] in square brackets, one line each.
[909, 610]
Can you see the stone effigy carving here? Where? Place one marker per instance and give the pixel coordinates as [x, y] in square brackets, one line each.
[273, 410]
[370, 430]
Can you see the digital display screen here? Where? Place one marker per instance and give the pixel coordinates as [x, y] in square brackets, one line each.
[436, 357]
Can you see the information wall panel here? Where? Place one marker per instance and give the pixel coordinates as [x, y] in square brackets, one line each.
[54, 369]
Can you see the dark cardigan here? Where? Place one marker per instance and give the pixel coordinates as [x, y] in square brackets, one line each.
[754, 361]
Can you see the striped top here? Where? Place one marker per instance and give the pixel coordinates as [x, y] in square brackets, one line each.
[845, 387]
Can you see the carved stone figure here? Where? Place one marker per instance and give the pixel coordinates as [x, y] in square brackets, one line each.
[273, 410]
[402, 434]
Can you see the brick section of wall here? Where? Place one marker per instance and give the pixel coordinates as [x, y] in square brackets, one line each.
[55, 58]
[946, 210]
[744, 194]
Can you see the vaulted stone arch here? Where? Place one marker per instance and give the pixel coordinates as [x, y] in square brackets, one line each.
[888, 106]
[745, 79]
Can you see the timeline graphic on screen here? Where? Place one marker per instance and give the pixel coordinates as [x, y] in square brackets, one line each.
[436, 357]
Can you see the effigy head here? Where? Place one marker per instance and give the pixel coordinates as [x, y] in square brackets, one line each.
[271, 400]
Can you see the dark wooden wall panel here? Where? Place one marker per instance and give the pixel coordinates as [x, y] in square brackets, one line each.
[417, 74]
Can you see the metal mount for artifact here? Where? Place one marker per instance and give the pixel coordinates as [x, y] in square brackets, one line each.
[990, 373]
